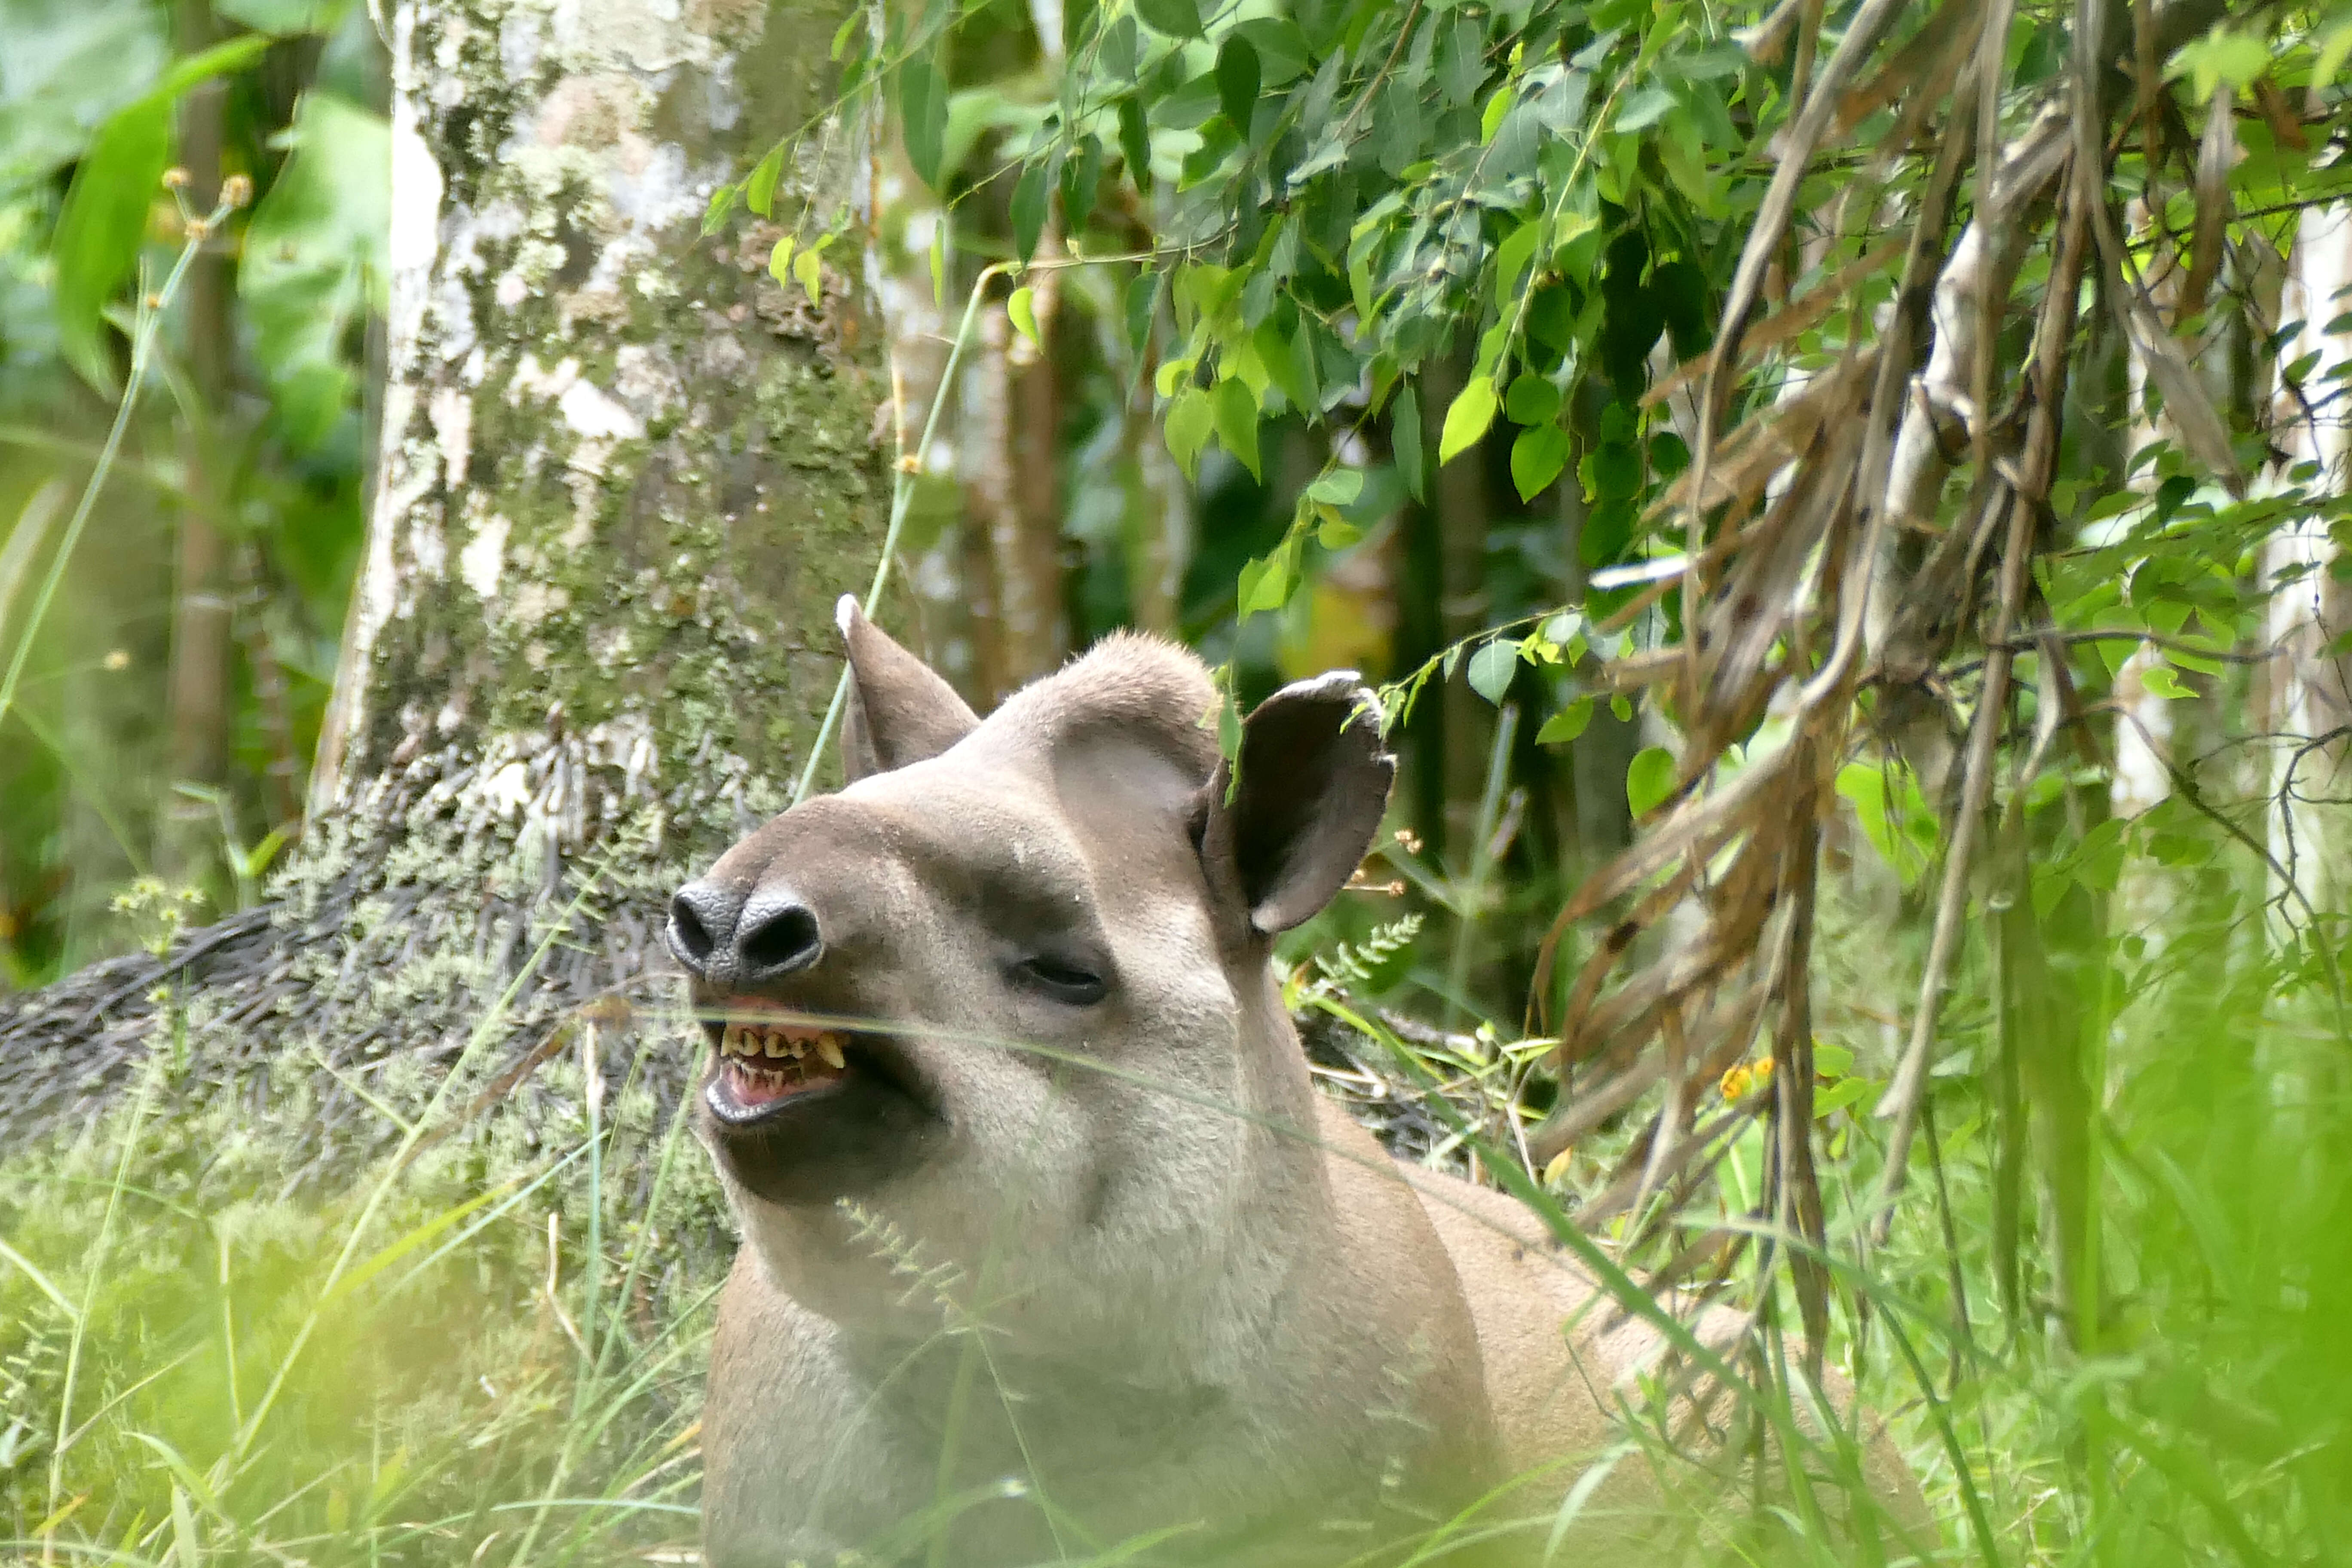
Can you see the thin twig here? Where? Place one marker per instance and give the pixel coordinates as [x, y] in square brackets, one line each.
[902, 495]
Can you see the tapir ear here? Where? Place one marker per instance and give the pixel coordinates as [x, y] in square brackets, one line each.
[899, 711]
[1314, 783]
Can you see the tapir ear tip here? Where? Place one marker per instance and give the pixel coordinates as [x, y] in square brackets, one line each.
[1348, 686]
[899, 710]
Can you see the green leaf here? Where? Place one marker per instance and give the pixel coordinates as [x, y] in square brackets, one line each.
[1236, 416]
[1135, 142]
[79, 63]
[187, 1546]
[2159, 681]
[1229, 727]
[221, 59]
[1642, 108]
[1189, 421]
[1566, 724]
[938, 262]
[760, 190]
[1466, 420]
[2338, 44]
[1532, 400]
[1177, 18]
[722, 202]
[780, 259]
[1404, 437]
[1839, 1096]
[1538, 457]
[923, 114]
[808, 266]
[1142, 305]
[1023, 310]
[2223, 56]
[1511, 258]
[1115, 49]
[102, 226]
[1336, 532]
[1649, 779]
[1266, 583]
[284, 18]
[1282, 49]
[313, 264]
[1893, 815]
[1237, 80]
[1289, 368]
[1029, 200]
[1338, 487]
[1497, 106]
[1491, 668]
[1575, 242]
[1081, 180]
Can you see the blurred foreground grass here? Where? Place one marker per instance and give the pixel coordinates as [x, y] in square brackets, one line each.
[467, 1354]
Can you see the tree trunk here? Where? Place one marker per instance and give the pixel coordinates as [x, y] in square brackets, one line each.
[2143, 729]
[2310, 685]
[623, 478]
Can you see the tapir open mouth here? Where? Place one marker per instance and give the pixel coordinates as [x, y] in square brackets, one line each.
[767, 1059]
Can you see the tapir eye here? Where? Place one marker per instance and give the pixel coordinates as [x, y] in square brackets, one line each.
[1062, 980]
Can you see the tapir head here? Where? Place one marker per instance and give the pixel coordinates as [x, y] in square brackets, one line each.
[1009, 989]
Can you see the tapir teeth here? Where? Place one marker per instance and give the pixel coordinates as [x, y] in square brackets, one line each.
[779, 1042]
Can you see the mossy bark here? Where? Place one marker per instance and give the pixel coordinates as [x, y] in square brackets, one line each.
[625, 474]
[624, 477]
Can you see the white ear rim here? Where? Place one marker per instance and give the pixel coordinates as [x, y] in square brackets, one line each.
[1348, 682]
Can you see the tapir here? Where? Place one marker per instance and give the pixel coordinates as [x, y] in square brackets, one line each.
[1050, 1245]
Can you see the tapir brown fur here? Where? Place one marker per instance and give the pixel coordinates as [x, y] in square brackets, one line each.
[1050, 1243]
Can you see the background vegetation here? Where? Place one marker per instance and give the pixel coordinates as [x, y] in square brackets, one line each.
[1953, 968]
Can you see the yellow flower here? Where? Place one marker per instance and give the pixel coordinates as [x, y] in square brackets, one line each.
[1737, 1080]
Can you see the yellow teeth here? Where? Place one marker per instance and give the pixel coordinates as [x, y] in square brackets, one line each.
[778, 1043]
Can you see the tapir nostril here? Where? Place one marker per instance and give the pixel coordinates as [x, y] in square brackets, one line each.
[777, 941]
[687, 935]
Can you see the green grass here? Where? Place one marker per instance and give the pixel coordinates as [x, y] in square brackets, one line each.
[457, 1353]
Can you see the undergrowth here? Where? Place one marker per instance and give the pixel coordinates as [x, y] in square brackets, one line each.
[470, 1353]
